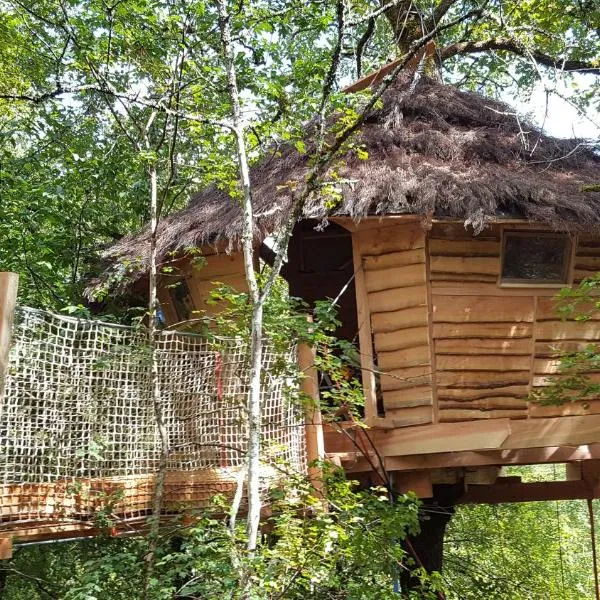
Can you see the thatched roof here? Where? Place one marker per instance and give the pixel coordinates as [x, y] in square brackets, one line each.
[436, 151]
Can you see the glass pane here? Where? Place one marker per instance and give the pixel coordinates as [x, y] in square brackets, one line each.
[535, 257]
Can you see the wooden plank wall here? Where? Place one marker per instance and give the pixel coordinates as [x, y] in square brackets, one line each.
[395, 296]
[494, 345]
[225, 268]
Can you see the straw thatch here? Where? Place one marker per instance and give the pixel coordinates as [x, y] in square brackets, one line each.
[436, 151]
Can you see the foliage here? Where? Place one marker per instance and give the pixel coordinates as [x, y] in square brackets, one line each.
[346, 548]
[579, 361]
[70, 180]
[521, 551]
[287, 318]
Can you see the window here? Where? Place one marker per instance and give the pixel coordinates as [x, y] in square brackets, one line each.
[535, 258]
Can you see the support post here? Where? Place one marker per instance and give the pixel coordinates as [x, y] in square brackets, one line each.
[6, 548]
[9, 283]
[315, 443]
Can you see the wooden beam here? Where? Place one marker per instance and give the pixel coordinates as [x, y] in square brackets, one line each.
[9, 283]
[315, 443]
[443, 437]
[376, 77]
[556, 431]
[418, 482]
[6, 548]
[428, 439]
[524, 456]
[516, 491]
[364, 334]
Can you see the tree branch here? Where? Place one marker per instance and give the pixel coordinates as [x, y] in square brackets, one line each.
[515, 47]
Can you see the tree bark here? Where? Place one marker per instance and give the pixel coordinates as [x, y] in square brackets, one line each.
[427, 547]
[257, 299]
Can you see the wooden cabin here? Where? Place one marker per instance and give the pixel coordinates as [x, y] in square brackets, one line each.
[452, 239]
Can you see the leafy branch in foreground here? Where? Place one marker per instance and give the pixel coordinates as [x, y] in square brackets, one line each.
[346, 548]
[577, 361]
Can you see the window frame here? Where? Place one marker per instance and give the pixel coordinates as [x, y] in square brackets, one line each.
[538, 283]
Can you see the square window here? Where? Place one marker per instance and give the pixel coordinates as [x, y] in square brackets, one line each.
[535, 258]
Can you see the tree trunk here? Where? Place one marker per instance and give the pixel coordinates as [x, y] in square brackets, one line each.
[405, 23]
[427, 548]
[257, 299]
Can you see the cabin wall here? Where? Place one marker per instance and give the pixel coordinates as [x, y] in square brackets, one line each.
[450, 342]
[393, 312]
[196, 284]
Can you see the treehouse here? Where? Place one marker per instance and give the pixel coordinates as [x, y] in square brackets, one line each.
[443, 249]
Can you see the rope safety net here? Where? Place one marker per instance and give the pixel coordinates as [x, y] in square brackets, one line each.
[78, 429]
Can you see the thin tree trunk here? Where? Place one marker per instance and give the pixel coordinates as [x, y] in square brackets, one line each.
[159, 485]
[253, 406]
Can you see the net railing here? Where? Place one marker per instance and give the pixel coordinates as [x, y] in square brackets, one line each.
[78, 406]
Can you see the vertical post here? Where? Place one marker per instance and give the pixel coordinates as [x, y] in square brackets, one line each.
[9, 283]
[315, 444]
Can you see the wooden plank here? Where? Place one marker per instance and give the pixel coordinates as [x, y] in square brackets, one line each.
[395, 259]
[556, 431]
[588, 263]
[547, 311]
[466, 394]
[201, 290]
[545, 380]
[419, 355]
[489, 403]
[452, 362]
[523, 456]
[581, 274]
[546, 366]
[390, 238]
[431, 342]
[481, 379]
[399, 379]
[399, 319]
[463, 265]
[218, 266]
[6, 548]
[444, 437]
[463, 247]
[482, 346]
[415, 396]
[455, 229]
[570, 330]
[365, 337]
[315, 442]
[450, 279]
[482, 476]
[538, 491]
[396, 299]
[556, 348]
[475, 330]
[487, 288]
[376, 77]
[467, 309]
[587, 407]
[464, 414]
[408, 417]
[395, 278]
[418, 482]
[396, 340]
